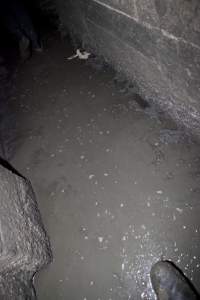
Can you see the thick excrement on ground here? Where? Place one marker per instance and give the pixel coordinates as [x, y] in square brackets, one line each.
[115, 176]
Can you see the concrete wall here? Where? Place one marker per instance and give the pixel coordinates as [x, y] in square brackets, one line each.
[156, 43]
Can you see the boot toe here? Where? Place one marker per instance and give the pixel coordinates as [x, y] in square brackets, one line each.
[169, 283]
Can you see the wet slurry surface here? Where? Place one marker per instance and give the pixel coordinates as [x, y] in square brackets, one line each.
[117, 182]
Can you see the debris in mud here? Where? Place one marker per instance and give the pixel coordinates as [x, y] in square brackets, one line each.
[100, 239]
[81, 55]
[159, 192]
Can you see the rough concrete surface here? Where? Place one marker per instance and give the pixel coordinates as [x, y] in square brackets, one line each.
[117, 182]
[24, 246]
[154, 43]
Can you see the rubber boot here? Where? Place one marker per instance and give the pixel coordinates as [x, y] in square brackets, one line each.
[170, 284]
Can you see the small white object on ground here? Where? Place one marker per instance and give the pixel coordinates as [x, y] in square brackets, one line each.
[81, 55]
[100, 238]
[159, 192]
